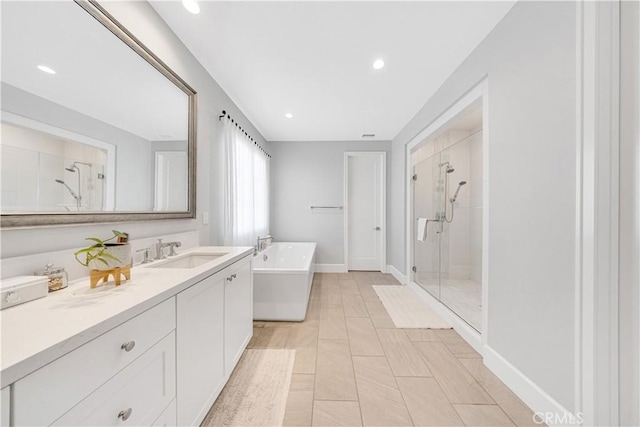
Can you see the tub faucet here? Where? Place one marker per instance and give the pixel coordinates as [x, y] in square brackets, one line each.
[260, 243]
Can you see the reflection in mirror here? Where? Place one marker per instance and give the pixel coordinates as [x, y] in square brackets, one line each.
[89, 125]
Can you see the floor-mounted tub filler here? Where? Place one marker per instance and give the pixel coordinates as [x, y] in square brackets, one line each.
[282, 277]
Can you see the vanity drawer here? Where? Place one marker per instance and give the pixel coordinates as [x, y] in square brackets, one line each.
[137, 396]
[43, 396]
[169, 417]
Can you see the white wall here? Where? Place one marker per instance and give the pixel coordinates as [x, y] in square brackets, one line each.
[529, 59]
[312, 173]
[148, 27]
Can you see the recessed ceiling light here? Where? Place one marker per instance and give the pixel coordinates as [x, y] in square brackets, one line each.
[192, 6]
[289, 116]
[377, 64]
[46, 69]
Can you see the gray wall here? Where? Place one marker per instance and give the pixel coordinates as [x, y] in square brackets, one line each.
[529, 59]
[629, 297]
[312, 173]
[147, 26]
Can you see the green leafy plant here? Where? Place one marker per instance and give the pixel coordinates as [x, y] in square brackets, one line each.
[97, 251]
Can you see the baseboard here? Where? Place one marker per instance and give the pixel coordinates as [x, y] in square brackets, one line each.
[330, 268]
[545, 407]
[396, 273]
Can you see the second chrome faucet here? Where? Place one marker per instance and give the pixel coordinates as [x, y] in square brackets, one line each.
[172, 249]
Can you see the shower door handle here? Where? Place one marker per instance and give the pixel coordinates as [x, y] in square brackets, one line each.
[376, 228]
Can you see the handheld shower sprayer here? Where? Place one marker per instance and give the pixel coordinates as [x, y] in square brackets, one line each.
[75, 196]
[455, 196]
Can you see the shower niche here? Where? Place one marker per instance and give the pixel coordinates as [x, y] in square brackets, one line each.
[447, 214]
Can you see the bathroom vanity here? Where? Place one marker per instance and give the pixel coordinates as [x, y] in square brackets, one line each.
[156, 350]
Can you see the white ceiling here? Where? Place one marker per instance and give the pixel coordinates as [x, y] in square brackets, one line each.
[96, 73]
[314, 59]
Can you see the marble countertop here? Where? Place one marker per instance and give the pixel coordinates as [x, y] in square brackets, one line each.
[40, 331]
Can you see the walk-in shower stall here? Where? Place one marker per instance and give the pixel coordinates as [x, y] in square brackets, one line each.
[447, 213]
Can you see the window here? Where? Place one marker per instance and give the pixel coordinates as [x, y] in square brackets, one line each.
[246, 188]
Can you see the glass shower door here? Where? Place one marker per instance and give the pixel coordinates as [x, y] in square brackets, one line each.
[427, 197]
[461, 237]
[447, 190]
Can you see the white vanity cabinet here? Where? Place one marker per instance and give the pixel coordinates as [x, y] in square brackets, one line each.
[238, 313]
[132, 366]
[214, 325]
[156, 352]
[200, 311]
[136, 396]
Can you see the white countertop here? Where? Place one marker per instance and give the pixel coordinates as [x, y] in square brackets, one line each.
[40, 331]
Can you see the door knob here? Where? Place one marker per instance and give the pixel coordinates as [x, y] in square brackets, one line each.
[377, 228]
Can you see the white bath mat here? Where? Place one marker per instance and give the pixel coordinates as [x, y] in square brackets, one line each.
[257, 392]
[407, 310]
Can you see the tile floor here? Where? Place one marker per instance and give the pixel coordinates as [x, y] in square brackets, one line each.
[354, 367]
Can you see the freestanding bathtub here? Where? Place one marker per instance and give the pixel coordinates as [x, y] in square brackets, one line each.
[282, 277]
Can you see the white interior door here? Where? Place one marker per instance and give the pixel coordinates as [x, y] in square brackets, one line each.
[171, 190]
[365, 210]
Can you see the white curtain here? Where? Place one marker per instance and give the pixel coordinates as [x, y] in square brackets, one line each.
[246, 188]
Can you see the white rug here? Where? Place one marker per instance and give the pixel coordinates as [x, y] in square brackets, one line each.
[257, 392]
[407, 310]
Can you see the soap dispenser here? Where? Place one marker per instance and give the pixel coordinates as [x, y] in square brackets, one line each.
[58, 278]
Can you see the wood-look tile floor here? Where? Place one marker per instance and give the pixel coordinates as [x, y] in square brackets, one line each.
[354, 367]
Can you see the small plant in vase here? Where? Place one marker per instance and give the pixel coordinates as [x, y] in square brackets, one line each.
[106, 258]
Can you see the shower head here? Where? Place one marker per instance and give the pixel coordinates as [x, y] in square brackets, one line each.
[455, 196]
[449, 167]
[73, 194]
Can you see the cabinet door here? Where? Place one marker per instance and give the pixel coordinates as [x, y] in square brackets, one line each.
[168, 417]
[238, 309]
[200, 338]
[5, 407]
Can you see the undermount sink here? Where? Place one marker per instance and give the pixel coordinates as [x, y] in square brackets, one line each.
[189, 261]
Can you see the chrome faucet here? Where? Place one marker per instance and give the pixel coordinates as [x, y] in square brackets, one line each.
[172, 247]
[160, 250]
[147, 255]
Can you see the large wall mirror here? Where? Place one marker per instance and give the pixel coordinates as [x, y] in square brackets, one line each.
[95, 127]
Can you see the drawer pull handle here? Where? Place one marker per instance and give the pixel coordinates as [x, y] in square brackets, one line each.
[124, 415]
[233, 276]
[128, 346]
